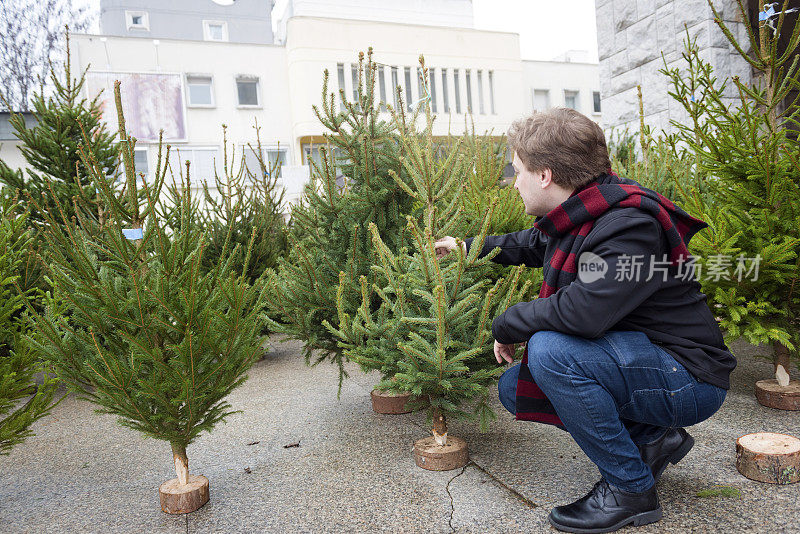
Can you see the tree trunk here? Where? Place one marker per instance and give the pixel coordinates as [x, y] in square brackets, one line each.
[186, 493]
[769, 457]
[439, 427]
[781, 363]
[181, 463]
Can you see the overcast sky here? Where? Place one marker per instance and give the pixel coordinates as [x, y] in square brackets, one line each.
[546, 28]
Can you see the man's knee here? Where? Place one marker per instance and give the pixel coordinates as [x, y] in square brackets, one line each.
[549, 354]
[507, 389]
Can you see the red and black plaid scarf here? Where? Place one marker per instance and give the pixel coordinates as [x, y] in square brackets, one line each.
[569, 224]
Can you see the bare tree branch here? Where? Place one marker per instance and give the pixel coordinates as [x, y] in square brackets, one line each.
[32, 39]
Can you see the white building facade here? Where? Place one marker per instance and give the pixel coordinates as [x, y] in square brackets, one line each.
[212, 74]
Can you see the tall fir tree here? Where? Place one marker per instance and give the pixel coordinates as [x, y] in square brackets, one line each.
[22, 400]
[150, 338]
[430, 334]
[56, 175]
[750, 158]
[351, 186]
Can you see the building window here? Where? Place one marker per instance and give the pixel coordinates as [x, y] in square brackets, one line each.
[141, 165]
[215, 30]
[433, 89]
[491, 91]
[541, 99]
[395, 85]
[270, 157]
[382, 86]
[311, 153]
[354, 77]
[421, 91]
[468, 76]
[137, 20]
[277, 156]
[571, 99]
[457, 87]
[198, 91]
[342, 89]
[480, 92]
[445, 92]
[201, 163]
[407, 72]
[596, 101]
[247, 91]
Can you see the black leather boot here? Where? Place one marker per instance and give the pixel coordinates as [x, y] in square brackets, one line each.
[671, 447]
[607, 508]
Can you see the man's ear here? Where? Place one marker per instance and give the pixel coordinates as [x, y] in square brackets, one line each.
[547, 177]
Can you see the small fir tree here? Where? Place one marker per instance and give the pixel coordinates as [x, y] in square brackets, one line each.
[430, 334]
[22, 400]
[749, 258]
[484, 184]
[242, 201]
[329, 232]
[150, 338]
[484, 187]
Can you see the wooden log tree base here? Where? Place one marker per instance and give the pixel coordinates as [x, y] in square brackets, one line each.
[429, 455]
[768, 457]
[389, 403]
[177, 498]
[772, 395]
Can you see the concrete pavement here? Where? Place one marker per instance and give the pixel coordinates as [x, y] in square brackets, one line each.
[353, 470]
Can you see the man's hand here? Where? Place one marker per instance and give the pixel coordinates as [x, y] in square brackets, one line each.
[506, 352]
[446, 245]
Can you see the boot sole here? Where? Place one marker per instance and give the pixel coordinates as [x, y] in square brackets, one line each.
[645, 518]
[678, 455]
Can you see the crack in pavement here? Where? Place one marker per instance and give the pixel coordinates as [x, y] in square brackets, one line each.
[505, 486]
[519, 496]
[452, 505]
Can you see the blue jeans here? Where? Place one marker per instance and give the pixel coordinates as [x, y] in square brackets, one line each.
[612, 394]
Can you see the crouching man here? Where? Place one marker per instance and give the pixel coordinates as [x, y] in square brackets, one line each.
[622, 349]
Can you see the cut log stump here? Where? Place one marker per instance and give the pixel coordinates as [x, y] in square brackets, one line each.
[389, 403]
[430, 455]
[177, 498]
[769, 457]
[772, 395]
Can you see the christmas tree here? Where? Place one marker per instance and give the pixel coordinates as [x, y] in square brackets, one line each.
[485, 184]
[430, 334]
[485, 187]
[22, 401]
[56, 175]
[242, 200]
[750, 158]
[151, 338]
[329, 232]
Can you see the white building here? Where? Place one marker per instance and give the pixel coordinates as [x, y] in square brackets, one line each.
[571, 82]
[194, 65]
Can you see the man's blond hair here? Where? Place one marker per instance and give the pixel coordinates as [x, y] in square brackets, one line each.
[568, 143]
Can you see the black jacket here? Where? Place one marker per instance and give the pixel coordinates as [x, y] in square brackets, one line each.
[672, 313]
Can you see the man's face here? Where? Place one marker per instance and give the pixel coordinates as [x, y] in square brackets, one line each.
[529, 186]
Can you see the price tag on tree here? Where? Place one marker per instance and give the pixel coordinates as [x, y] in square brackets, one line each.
[133, 233]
